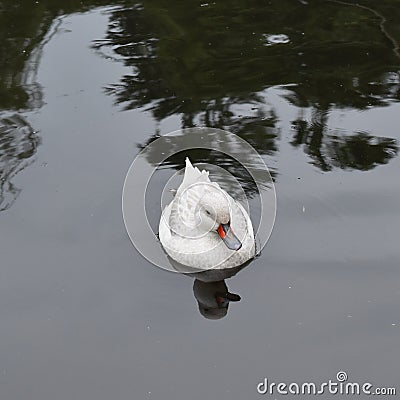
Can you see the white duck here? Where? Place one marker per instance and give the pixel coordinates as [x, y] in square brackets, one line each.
[204, 227]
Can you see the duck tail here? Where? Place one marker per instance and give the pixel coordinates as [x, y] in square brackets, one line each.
[192, 175]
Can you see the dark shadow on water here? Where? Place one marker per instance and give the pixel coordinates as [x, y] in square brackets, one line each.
[213, 298]
[211, 66]
[219, 153]
[25, 27]
[327, 150]
[210, 289]
[18, 145]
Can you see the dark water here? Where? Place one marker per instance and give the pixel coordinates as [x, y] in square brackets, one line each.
[314, 86]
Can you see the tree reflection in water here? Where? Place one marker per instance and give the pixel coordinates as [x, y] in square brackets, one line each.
[18, 144]
[25, 27]
[202, 63]
[211, 64]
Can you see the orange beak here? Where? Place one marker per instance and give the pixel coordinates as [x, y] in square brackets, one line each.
[221, 232]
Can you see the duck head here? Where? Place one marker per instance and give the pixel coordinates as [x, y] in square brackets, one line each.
[213, 211]
[213, 298]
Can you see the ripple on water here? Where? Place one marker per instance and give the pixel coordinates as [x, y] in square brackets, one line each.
[271, 39]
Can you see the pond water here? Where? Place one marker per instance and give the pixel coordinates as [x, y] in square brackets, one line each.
[314, 86]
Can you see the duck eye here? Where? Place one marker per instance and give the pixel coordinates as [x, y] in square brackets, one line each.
[208, 212]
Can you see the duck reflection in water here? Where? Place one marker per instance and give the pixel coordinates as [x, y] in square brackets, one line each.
[213, 298]
[210, 289]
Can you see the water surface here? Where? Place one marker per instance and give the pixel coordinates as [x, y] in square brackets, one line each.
[313, 86]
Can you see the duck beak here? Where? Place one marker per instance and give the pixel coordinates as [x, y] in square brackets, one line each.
[226, 234]
[223, 299]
